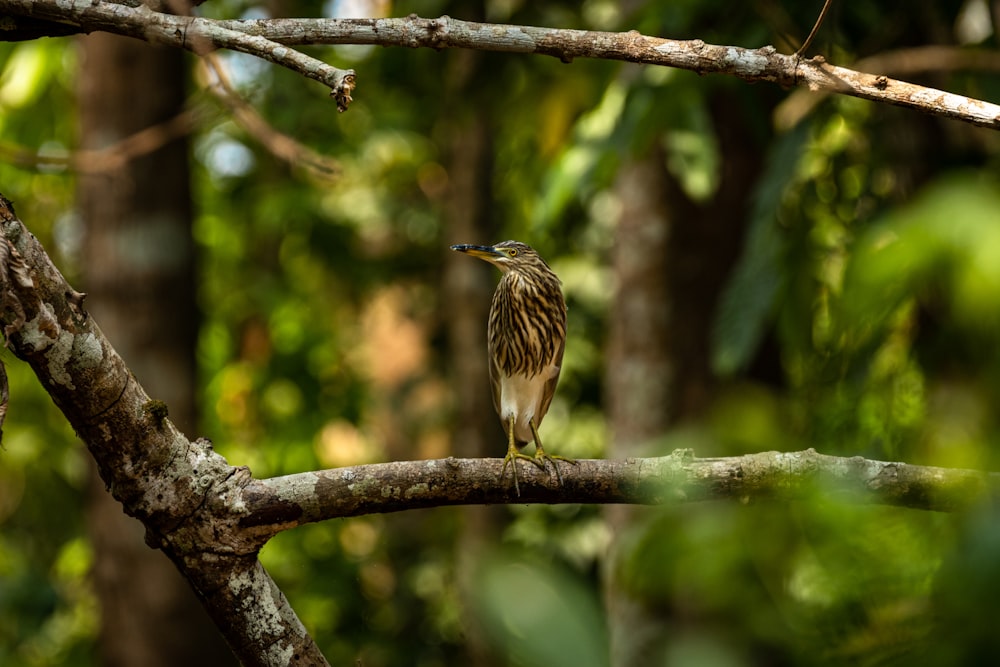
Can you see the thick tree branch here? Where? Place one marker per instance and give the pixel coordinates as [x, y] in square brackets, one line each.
[265, 38]
[153, 470]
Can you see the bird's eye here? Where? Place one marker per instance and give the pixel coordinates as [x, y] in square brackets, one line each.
[512, 252]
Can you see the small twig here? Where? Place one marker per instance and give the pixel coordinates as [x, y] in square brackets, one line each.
[145, 141]
[815, 28]
[277, 143]
[111, 157]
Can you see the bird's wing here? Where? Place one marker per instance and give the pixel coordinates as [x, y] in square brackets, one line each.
[550, 386]
[495, 383]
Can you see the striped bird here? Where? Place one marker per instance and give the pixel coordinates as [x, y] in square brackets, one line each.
[526, 336]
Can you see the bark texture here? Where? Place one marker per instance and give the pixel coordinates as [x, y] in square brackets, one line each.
[159, 476]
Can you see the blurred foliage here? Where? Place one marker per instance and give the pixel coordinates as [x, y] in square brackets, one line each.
[861, 319]
[557, 619]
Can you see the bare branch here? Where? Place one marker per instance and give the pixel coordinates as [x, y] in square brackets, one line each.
[904, 62]
[113, 156]
[763, 64]
[270, 38]
[149, 139]
[280, 503]
[191, 33]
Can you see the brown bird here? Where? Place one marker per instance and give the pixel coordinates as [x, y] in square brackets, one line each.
[526, 338]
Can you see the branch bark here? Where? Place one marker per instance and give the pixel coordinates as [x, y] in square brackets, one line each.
[158, 475]
[280, 503]
[904, 62]
[269, 39]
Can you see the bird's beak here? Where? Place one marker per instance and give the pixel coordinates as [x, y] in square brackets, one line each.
[486, 252]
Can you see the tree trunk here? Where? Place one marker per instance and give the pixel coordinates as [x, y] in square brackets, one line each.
[672, 257]
[640, 375]
[139, 272]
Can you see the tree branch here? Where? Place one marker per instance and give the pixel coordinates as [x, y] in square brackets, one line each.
[159, 476]
[265, 37]
[194, 34]
[763, 64]
[279, 144]
[904, 62]
[113, 156]
[280, 503]
[216, 81]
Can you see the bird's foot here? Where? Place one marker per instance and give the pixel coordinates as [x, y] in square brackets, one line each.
[511, 458]
[541, 458]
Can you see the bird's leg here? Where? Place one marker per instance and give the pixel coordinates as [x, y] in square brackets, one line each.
[513, 454]
[541, 457]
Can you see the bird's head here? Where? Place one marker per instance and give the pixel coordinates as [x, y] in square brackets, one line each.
[506, 255]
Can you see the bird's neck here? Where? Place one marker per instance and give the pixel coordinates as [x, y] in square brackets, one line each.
[519, 284]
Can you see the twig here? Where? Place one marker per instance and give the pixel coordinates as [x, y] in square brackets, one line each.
[277, 143]
[117, 155]
[111, 157]
[815, 29]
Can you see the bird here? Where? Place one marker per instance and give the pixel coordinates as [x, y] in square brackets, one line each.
[526, 337]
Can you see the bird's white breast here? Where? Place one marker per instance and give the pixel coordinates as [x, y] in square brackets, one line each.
[521, 397]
